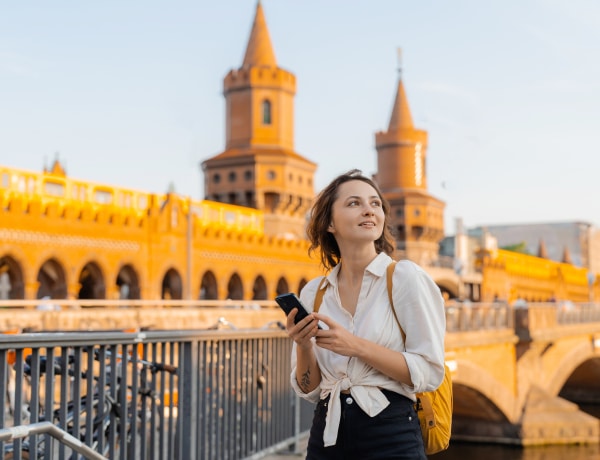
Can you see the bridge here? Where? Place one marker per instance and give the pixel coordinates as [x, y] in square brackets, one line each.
[519, 373]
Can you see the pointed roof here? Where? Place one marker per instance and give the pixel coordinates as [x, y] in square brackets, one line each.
[57, 169]
[542, 251]
[401, 117]
[259, 52]
[566, 258]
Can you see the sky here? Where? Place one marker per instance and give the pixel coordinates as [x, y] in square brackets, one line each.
[130, 93]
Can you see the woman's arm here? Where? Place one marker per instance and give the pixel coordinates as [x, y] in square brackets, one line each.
[420, 308]
[341, 341]
[308, 374]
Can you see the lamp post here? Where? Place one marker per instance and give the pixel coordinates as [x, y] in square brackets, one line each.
[189, 237]
[591, 277]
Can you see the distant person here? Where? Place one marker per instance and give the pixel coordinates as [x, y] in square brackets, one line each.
[520, 303]
[46, 304]
[358, 369]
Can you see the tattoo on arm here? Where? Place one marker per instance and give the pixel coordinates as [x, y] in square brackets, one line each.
[305, 381]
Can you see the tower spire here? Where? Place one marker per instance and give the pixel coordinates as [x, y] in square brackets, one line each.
[259, 52]
[259, 155]
[401, 117]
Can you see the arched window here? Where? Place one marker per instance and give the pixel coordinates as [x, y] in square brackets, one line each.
[266, 109]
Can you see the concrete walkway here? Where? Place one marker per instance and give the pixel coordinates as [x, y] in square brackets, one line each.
[285, 455]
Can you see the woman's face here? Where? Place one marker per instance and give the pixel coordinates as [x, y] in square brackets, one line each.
[357, 213]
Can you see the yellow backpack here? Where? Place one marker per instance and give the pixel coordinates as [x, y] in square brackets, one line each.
[434, 408]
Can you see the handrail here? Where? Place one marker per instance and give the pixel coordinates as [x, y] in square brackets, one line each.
[68, 304]
[61, 436]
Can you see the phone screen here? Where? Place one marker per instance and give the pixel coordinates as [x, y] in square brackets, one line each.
[289, 301]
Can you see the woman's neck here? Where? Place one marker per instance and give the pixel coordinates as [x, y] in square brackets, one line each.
[353, 266]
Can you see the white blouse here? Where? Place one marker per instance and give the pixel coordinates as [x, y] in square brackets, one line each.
[420, 309]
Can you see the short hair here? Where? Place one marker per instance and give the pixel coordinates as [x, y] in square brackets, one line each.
[320, 218]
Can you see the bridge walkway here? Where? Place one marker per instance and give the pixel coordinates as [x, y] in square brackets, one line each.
[299, 453]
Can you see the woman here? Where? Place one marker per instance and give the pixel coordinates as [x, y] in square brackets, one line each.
[357, 367]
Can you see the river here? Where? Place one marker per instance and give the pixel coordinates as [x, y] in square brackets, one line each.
[470, 451]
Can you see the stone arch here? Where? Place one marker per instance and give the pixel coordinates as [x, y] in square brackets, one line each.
[474, 415]
[172, 285]
[128, 283]
[208, 287]
[582, 385]
[495, 399]
[235, 288]
[448, 288]
[301, 284]
[12, 284]
[563, 369]
[92, 284]
[259, 289]
[282, 286]
[52, 280]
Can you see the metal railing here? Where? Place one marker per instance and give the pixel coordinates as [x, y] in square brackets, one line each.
[228, 397]
[201, 394]
[17, 432]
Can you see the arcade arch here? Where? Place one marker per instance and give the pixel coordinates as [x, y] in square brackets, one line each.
[92, 284]
[259, 290]
[208, 287]
[282, 286]
[128, 283]
[235, 288]
[52, 280]
[12, 285]
[302, 283]
[172, 285]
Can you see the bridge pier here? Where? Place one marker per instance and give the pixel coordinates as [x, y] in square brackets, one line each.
[551, 419]
[545, 420]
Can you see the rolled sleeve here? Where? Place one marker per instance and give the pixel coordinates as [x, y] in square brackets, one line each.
[420, 308]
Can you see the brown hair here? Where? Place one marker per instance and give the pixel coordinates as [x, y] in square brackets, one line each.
[320, 218]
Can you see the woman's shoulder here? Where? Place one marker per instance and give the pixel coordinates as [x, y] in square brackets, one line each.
[408, 266]
[407, 270]
[410, 278]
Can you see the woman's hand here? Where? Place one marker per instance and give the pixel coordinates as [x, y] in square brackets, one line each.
[336, 338]
[304, 331]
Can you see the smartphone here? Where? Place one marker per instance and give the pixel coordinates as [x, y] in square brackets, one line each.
[289, 301]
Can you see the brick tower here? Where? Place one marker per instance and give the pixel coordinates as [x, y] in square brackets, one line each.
[417, 216]
[259, 167]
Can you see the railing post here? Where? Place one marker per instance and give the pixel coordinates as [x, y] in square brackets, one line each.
[187, 420]
[296, 423]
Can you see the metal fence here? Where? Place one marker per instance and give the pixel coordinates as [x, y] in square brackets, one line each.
[202, 394]
[150, 395]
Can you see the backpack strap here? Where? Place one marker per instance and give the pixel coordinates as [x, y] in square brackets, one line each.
[319, 295]
[389, 275]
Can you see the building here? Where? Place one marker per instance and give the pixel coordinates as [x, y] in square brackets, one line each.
[577, 243]
[259, 167]
[62, 237]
